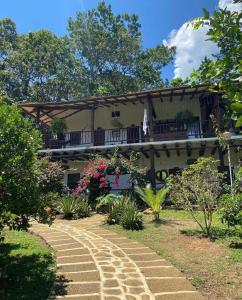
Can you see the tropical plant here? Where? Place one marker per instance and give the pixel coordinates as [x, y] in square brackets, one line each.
[152, 199]
[109, 200]
[132, 218]
[83, 210]
[198, 188]
[68, 205]
[117, 210]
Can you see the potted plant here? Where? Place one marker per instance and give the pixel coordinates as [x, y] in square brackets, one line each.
[58, 127]
[184, 118]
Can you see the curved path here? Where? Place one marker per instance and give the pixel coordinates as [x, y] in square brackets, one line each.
[97, 264]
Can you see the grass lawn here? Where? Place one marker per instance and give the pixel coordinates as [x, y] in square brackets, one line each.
[27, 268]
[213, 267]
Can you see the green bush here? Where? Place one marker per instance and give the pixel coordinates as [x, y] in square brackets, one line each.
[231, 209]
[68, 205]
[83, 209]
[131, 218]
[117, 209]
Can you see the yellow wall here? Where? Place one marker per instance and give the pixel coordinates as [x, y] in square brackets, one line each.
[132, 114]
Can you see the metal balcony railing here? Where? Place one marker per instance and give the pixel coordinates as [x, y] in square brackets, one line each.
[134, 134]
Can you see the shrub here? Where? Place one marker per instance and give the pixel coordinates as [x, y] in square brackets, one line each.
[152, 199]
[231, 209]
[50, 176]
[68, 206]
[19, 143]
[83, 209]
[198, 187]
[115, 214]
[109, 200]
[131, 218]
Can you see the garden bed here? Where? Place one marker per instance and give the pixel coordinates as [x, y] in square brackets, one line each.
[27, 267]
[212, 266]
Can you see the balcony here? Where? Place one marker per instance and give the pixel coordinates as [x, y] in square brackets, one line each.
[165, 131]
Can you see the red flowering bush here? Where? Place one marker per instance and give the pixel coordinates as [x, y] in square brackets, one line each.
[95, 181]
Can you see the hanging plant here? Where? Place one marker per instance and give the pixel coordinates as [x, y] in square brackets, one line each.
[58, 126]
[185, 117]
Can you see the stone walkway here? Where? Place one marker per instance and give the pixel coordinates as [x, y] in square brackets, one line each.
[97, 264]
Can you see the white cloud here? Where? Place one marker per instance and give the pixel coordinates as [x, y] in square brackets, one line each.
[193, 45]
[230, 5]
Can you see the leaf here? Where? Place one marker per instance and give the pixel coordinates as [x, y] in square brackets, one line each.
[239, 122]
[237, 107]
[206, 13]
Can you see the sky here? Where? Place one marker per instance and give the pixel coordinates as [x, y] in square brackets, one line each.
[163, 21]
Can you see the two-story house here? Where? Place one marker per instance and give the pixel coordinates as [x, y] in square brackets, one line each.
[169, 127]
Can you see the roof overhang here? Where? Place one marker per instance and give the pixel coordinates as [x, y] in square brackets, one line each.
[47, 110]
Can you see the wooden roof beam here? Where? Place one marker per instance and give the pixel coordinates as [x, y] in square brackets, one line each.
[166, 150]
[202, 149]
[189, 149]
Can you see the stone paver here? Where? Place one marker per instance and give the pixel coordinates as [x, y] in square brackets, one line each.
[94, 263]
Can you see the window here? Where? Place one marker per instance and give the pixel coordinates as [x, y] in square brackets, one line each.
[73, 180]
[116, 135]
[116, 114]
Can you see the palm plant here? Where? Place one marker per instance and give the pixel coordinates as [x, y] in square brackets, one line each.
[152, 199]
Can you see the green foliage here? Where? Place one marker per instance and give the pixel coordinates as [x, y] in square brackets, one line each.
[231, 202]
[117, 210]
[101, 54]
[225, 71]
[152, 199]
[50, 176]
[131, 218]
[83, 209]
[231, 209]
[110, 200]
[18, 178]
[41, 66]
[68, 205]
[58, 126]
[74, 207]
[198, 187]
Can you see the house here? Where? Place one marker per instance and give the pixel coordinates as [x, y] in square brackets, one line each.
[170, 127]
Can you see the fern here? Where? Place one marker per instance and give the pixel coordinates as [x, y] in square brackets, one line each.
[152, 199]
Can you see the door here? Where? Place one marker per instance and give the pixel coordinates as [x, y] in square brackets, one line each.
[99, 137]
[133, 134]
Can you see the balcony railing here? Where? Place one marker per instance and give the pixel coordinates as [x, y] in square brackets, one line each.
[161, 132]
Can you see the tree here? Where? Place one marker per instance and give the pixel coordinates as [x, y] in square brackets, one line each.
[196, 189]
[41, 67]
[224, 72]
[19, 143]
[109, 48]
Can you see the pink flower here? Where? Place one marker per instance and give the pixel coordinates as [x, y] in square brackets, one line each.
[96, 175]
[102, 185]
[84, 183]
[116, 184]
[102, 179]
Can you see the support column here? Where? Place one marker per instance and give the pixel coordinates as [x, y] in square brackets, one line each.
[151, 130]
[37, 117]
[152, 168]
[92, 124]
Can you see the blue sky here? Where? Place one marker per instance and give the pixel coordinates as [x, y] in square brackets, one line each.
[158, 17]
